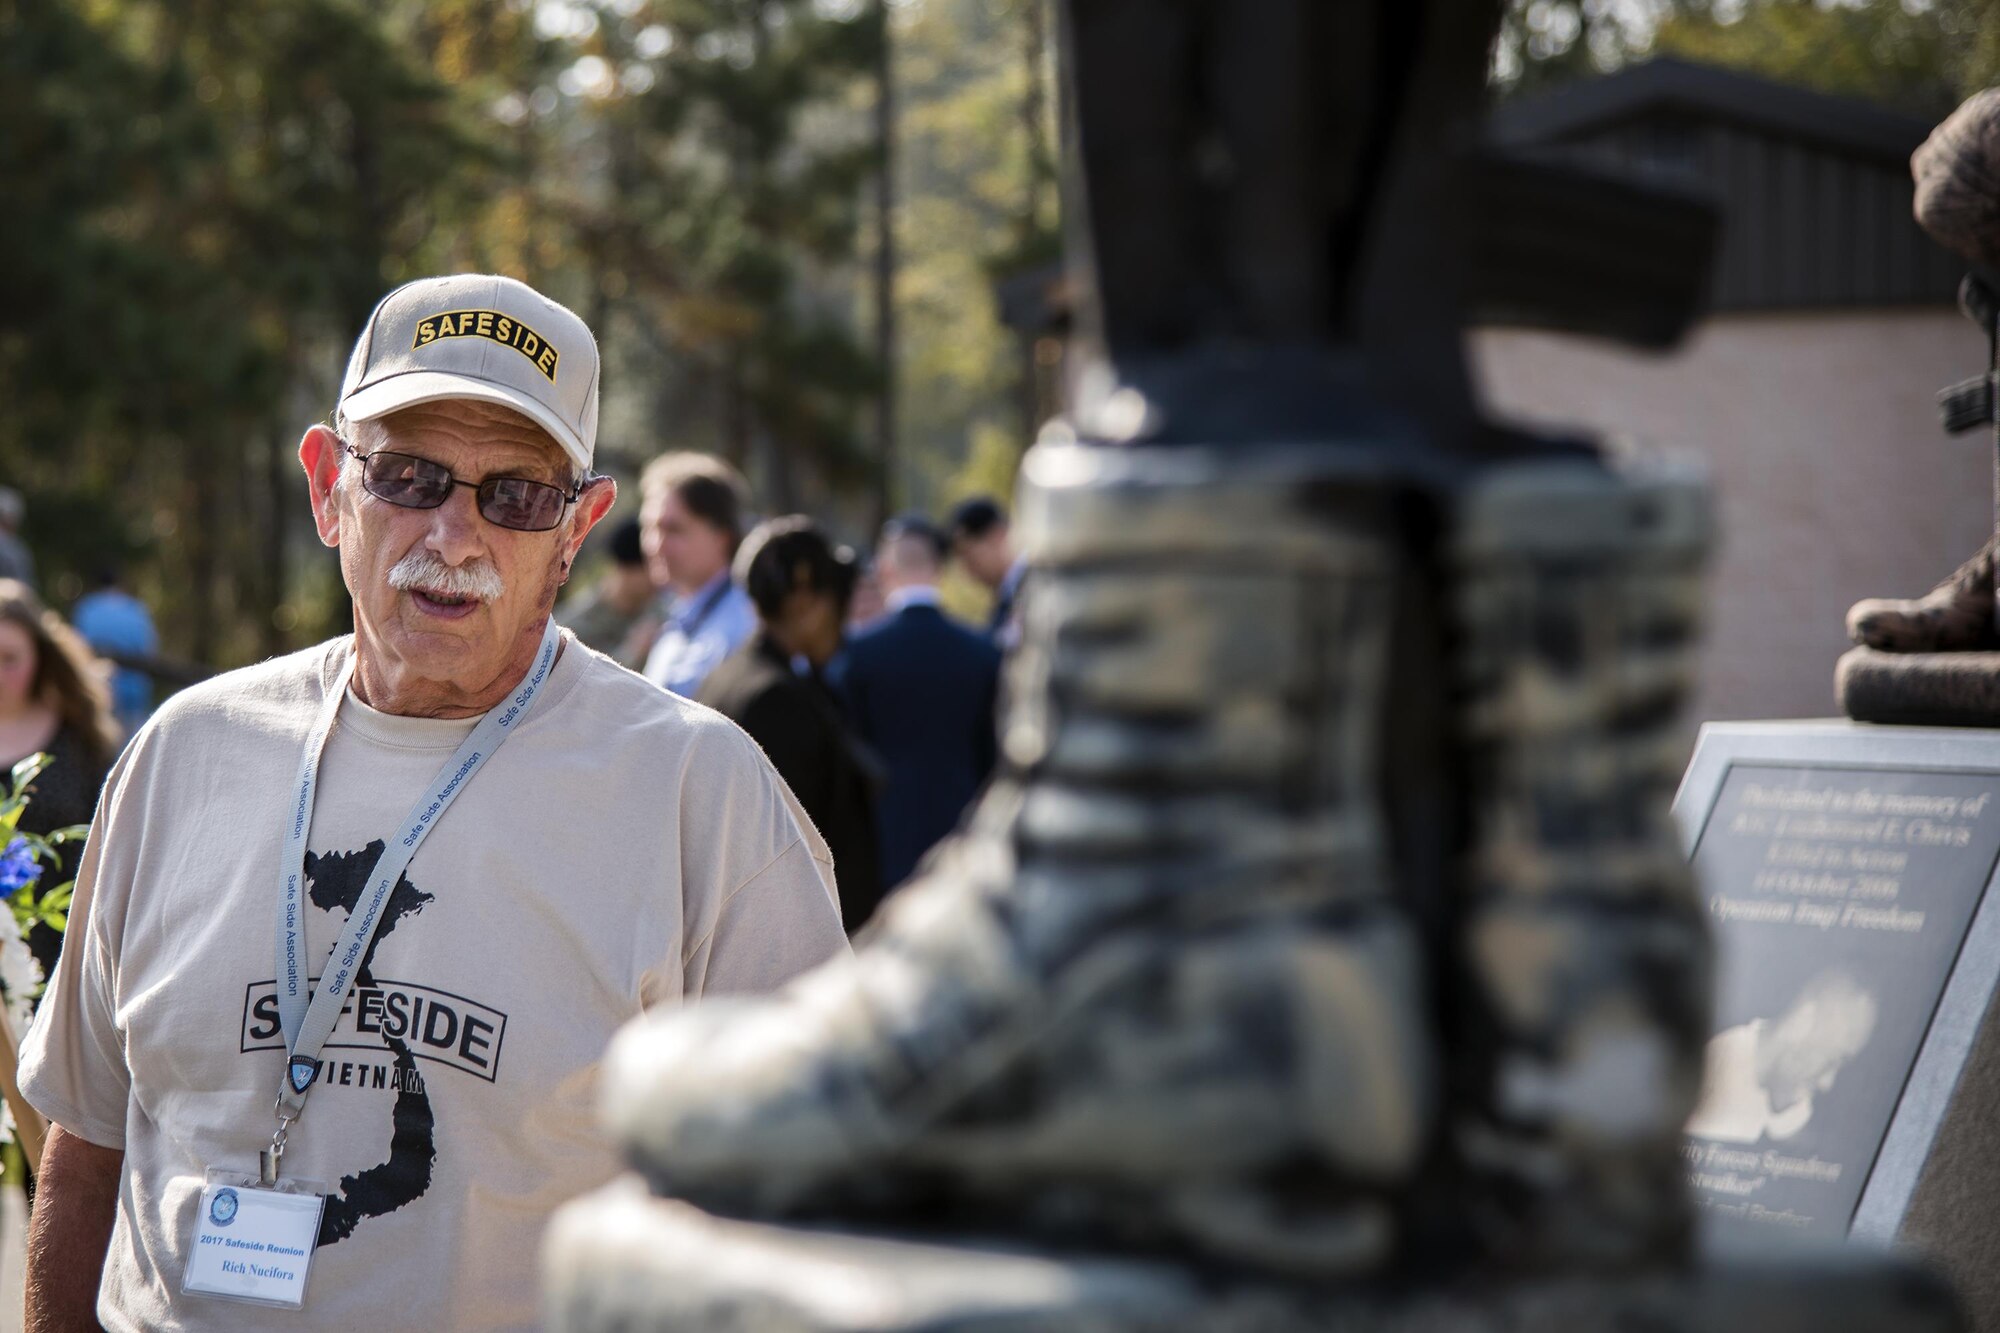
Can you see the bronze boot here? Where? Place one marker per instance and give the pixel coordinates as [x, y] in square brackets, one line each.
[1164, 991]
[1956, 616]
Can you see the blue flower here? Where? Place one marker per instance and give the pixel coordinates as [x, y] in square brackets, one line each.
[18, 867]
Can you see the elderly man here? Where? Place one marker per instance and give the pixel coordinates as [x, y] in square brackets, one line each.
[368, 1108]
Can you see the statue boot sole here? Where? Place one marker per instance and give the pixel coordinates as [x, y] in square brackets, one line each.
[623, 1262]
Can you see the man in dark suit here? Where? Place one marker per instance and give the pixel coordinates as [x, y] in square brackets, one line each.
[921, 691]
[981, 540]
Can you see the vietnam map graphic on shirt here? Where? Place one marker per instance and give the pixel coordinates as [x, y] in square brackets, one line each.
[337, 880]
[699, 876]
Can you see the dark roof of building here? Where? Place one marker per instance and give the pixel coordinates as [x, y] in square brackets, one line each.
[1814, 190]
[1670, 86]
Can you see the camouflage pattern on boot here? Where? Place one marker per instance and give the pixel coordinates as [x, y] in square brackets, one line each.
[1162, 991]
[1582, 941]
[1955, 616]
[1957, 174]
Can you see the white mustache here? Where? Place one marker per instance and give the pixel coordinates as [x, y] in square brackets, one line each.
[422, 571]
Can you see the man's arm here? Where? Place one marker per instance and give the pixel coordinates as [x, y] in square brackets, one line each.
[76, 1198]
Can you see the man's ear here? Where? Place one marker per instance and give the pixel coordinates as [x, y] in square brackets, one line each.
[321, 455]
[591, 507]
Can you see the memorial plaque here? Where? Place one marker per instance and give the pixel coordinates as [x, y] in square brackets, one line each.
[1845, 870]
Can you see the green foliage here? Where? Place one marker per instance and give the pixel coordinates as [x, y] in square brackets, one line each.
[1883, 52]
[717, 201]
[1546, 42]
[206, 197]
[31, 903]
[1920, 56]
[978, 185]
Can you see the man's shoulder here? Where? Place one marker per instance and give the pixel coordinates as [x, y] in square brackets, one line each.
[741, 677]
[975, 640]
[623, 707]
[869, 633]
[117, 617]
[940, 630]
[917, 629]
[277, 693]
[884, 634]
[233, 718]
[105, 602]
[672, 744]
[873, 648]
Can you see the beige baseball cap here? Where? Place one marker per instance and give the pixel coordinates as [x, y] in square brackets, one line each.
[478, 335]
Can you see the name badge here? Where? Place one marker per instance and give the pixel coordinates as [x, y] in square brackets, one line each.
[254, 1242]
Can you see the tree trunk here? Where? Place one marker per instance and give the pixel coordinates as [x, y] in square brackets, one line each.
[735, 411]
[277, 529]
[198, 534]
[1035, 115]
[778, 495]
[1039, 175]
[885, 267]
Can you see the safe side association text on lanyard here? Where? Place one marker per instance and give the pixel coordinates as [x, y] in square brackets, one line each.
[308, 1020]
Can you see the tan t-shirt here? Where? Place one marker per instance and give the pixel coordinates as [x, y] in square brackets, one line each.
[623, 848]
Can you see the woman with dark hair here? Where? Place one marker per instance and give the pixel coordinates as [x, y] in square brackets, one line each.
[53, 698]
[800, 584]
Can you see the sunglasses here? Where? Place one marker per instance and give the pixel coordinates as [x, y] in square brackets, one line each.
[418, 483]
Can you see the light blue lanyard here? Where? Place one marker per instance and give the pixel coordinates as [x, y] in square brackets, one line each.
[699, 613]
[309, 1021]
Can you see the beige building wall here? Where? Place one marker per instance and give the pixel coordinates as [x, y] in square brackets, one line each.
[1833, 479]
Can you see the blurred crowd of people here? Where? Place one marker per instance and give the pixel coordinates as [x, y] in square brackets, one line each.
[876, 706]
[75, 690]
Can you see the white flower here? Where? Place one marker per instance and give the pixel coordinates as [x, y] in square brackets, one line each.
[20, 979]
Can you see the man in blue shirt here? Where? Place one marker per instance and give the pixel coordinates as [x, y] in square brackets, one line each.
[113, 621]
[691, 517]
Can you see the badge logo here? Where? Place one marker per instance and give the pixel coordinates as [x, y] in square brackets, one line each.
[302, 1071]
[222, 1208]
[494, 327]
